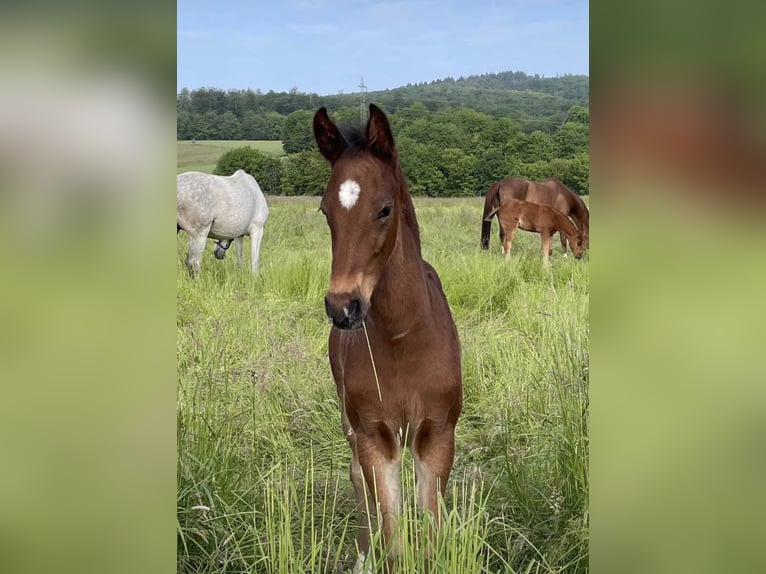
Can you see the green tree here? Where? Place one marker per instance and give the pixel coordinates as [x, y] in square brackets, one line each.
[405, 116]
[266, 170]
[489, 168]
[305, 173]
[580, 182]
[206, 126]
[570, 139]
[184, 125]
[457, 167]
[472, 127]
[347, 115]
[420, 166]
[578, 115]
[500, 133]
[440, 133]
[297, 132]
[536, 171]
[537, 146]
[228, 127]
[262, 126]
[561, 169]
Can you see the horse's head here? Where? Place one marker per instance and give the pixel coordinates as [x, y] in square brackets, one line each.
[362, 204]
[576, 242]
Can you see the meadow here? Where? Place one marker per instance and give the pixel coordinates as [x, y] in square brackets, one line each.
[263, 464]
[203, 155]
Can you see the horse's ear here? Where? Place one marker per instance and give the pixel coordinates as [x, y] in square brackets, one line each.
[380, 140]
[329, 139]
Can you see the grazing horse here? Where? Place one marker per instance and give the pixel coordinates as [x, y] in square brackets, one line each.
[394, 349]
[223, 208]
[547, 192]
[543, 219]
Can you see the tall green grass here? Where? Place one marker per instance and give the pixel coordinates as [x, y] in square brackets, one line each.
[262, 462]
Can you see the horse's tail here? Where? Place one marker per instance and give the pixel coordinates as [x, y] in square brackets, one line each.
[491, 200]
[491, 214]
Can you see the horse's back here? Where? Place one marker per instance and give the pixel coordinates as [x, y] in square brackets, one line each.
[230, 204]
[565, 200]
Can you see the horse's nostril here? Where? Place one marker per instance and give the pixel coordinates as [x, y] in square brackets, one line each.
[353, 307]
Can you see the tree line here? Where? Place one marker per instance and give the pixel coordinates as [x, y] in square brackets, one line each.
[532, 102]
[444, 153]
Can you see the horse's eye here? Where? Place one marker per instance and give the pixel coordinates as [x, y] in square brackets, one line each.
[385, 212]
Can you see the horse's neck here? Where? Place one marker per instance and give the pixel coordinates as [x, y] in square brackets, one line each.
[579, 211]
[401, 299]
[565, 225]
[408, 218]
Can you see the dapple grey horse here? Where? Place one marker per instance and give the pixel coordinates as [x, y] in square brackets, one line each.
[222, 208]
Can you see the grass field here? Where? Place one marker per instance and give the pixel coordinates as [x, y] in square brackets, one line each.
[203, 155]
[262, 462]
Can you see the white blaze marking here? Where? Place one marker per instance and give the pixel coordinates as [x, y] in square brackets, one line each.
[349, 193]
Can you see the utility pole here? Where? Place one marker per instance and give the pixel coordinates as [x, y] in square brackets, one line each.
[362, 101]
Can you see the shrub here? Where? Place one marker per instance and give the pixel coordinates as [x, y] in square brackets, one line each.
[266, 170]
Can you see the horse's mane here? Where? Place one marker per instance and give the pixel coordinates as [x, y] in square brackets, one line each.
[569, 226]
[356, 143]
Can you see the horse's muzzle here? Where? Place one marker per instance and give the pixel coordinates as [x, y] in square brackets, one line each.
[346, 310]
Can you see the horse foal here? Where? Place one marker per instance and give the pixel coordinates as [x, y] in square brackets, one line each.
[547, 192]
[542, 219]
[411, 396]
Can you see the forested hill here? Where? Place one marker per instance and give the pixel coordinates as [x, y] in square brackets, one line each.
[531, 102]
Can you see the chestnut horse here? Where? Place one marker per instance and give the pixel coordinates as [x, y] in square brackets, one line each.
[543, 219]
[547, 192]
[394, 349]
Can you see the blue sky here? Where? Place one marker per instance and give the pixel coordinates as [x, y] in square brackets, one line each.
[326, 46]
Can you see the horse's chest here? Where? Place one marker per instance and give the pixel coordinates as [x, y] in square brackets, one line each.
[407, 388]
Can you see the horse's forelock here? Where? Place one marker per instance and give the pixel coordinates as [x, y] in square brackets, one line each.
[355, 137]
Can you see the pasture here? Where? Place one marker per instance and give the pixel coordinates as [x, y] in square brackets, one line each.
[263, 464]
[204, 154]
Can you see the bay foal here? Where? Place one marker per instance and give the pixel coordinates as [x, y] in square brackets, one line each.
[543, 219]
[381, 286]
[547, 192]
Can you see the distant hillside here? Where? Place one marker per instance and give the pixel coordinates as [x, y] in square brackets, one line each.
[532, 102]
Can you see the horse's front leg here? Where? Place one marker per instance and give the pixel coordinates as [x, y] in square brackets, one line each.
[545, 236]
[379, 457]
[196, 248]
[362, 507]
[433, 454]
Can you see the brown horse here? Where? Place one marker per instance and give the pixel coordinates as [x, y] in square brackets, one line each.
[543, 219]
[405, 389]
[547, 192]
